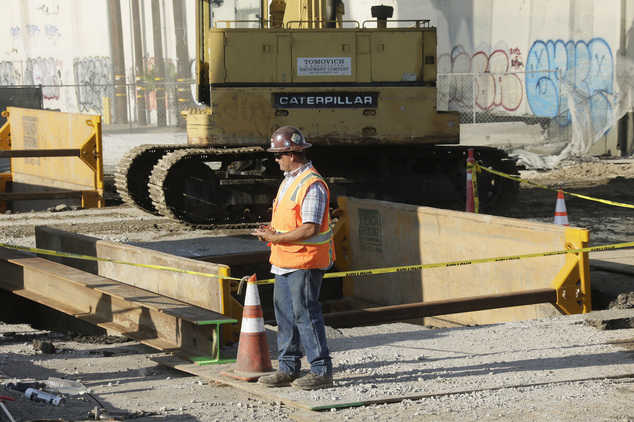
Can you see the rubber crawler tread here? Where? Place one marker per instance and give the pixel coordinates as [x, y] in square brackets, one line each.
[161, 170]
[495, 193]
[122, 177]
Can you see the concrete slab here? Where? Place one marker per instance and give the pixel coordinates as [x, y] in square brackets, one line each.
[395, 362]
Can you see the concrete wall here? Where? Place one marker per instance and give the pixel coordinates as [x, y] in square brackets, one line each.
[44, 42]
[69, 43]
[580, 53]
[588, 43]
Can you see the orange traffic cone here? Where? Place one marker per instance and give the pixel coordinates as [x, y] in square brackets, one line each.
[254, 359]
[561, 216]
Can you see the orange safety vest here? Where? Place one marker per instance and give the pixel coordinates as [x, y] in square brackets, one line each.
[315, 252]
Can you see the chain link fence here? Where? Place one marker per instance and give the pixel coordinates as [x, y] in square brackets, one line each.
[478, 97]
[492, 97]
[145, 104]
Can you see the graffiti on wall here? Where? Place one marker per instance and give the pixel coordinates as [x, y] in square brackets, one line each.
[16, 32]
[487, 76]
[516, 59]
[32, 30]
[93, 82]
[7, 73]
[586, 67]
[52, 33]
[44, 72]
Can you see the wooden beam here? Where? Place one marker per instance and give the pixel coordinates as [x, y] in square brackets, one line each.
[161, 322]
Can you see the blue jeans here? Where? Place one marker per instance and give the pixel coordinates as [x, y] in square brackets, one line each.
[299, 318]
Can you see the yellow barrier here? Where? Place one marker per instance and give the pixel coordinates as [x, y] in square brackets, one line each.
[383, 234]
[54, 156]
[571, 283]
[393, 243]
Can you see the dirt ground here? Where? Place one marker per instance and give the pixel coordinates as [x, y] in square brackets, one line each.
[608, 180]
[124, 381]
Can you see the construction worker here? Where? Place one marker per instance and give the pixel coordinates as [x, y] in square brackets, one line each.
[302, 248]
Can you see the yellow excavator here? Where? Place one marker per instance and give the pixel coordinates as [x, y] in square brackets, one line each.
[363, 93]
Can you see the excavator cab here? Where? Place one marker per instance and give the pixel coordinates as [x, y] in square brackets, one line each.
[337, 80]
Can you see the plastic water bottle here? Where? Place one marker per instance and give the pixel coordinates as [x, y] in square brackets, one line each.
[64, 386]
[44, 397]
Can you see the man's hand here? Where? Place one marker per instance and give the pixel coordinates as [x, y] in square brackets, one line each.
[303, 232]
[264, 233]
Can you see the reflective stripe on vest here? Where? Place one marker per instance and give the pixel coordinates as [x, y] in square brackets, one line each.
[317, 239]
[293, 197]
[319, 249]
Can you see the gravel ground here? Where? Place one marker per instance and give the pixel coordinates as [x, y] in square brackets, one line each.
[516, 371]
[562, 369]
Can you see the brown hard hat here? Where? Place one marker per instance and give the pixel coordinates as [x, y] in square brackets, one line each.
[288, 138]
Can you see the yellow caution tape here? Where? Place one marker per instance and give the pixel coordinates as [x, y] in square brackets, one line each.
[604, 201]
[114, 261]
[466, 262]
[335, 274]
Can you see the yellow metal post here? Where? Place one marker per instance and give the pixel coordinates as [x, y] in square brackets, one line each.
[5, 133]
[573, 280]
[107, 111]
[341, 240]
[230, 306]
[92, 199]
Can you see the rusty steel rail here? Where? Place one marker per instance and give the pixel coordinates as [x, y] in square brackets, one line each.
[22, 153]
[62, 194]
[384, 314]
[166, 324]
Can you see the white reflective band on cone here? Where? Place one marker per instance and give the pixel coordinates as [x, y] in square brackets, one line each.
[252, 325]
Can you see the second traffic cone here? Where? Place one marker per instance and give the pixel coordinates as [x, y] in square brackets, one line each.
[254, 359]
[561, 216]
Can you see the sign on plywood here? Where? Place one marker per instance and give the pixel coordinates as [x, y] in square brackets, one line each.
[370, 230]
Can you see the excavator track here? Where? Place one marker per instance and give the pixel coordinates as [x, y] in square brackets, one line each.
[206, 187]
[234, 187]
[132, 174]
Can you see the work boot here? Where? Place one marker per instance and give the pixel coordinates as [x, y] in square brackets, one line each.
[277, 379]
[313, 382]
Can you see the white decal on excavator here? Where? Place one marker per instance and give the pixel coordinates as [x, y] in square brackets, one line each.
[324, 66]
